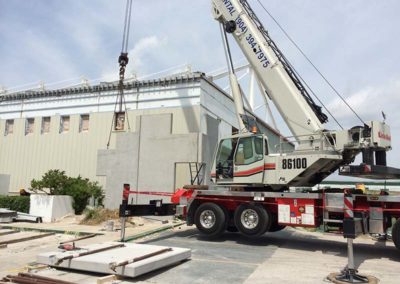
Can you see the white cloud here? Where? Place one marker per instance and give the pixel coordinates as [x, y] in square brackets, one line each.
[147, 47]
[48, 57]
[144, 52]
[369, 102]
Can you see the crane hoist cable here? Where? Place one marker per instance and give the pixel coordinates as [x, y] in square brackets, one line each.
[312, 64]
[123, 60]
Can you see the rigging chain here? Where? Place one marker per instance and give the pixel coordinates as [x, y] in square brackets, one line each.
[123, 60]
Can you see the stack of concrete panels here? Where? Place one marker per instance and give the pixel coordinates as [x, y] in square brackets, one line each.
[124, 259]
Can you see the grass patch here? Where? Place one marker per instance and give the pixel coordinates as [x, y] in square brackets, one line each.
[96, 216]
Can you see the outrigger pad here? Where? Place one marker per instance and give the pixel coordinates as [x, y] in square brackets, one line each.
[370, 171]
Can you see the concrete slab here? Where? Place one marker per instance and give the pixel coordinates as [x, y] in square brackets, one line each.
[100, 262]
[50, 207]
[142, 227]
[18, 257]
[288, 256]
[26, 239]
[7, 232]
[7, 216]
[20, 235]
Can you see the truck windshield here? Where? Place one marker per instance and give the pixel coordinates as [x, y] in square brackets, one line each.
[226, 150]
[224, 163]
[250, 150]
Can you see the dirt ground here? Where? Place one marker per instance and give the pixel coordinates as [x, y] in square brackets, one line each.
[289, 256]
[21, 256]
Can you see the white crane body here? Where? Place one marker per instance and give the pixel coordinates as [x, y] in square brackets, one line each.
[297, 114]
[251, 178]
[319, 152]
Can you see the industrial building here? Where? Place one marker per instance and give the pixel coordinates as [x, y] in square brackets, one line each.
[172, 126]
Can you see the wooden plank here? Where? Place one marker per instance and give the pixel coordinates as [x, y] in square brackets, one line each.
[26, 239]
[106, 279]
[78, 239]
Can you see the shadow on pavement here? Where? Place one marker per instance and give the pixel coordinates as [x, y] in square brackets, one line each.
[290, 239]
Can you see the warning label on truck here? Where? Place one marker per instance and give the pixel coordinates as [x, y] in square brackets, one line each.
[284, 213]
[307, 219]
[291, 215]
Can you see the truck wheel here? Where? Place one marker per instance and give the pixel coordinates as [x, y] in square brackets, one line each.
[252, 220]
[275, 227]
[396, 233]
[210, 219]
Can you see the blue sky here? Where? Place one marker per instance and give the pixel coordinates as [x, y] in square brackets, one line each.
[356, 44]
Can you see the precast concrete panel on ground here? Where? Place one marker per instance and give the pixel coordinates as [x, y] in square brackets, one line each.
[102, 262]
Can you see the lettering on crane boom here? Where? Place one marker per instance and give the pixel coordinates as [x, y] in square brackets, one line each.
[251, 41]
[295, 163]
[229, 7]
[257, 51]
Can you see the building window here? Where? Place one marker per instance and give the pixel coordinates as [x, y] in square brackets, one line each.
[64, 124]
[29, 125]
[46, 124]
[9, 127]
[84, 123]
[119, 121]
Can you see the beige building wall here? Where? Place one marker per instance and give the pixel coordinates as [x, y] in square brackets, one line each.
[25, 157]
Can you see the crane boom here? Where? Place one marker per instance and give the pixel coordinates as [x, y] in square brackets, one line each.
[319, 152]
[302, 115]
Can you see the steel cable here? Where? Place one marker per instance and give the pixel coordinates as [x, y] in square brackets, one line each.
[312, 64]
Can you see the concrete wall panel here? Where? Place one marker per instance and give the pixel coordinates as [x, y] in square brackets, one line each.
[4, 184]
[171, 121]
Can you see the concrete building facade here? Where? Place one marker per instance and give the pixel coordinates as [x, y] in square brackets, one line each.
[170, 123]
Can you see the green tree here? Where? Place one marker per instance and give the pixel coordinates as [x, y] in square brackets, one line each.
[55, 182]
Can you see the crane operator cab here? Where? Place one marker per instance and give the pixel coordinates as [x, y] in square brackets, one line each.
[240, 159]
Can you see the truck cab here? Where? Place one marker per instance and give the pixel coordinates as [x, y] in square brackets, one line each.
[240, 159]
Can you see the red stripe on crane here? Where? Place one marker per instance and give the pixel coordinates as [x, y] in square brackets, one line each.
[348, 207]
[269, 166]
[152, 193]
[253, 171]
[249, 172]
[348, 202]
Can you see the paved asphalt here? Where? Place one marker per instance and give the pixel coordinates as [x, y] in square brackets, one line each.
[288, 256]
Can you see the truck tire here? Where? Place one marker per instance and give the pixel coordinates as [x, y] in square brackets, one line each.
[396, 233]
[210, 219]
[275, 227]
[252, 220]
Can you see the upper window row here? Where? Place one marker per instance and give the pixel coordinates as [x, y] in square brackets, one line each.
[46, 122]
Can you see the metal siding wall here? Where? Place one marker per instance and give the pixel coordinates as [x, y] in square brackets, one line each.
[25, 157]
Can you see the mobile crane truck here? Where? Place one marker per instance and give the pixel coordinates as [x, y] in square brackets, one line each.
[251, 182]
